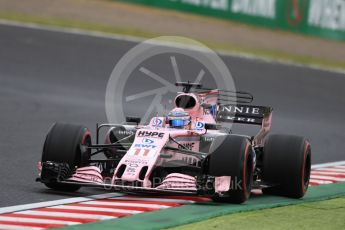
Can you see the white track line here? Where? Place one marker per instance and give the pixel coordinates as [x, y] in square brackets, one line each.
[17, 227]
[328, 164]
[320, 181]
[111, 210]
[322, 172]
[330, 170]
[57, 202]
[37, 221]
[340, 167]
[67, 214]
[129, 38]
[129, 204]
[319, 177]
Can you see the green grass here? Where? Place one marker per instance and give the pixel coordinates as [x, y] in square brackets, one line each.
[228, 47]
[329, 214]
[67, 23]
[277, 55]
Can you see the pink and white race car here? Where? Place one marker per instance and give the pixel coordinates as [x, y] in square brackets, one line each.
[186, 152]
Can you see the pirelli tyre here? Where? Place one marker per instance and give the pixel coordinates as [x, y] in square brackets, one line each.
[63, 145]
[232, 155]
[286, 165]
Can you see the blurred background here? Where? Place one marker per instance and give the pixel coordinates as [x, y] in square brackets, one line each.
[307, 31]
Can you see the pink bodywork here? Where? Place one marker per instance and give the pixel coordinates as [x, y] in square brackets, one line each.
[149, 145]
[141, 154]
[148, 155]
[89, 174]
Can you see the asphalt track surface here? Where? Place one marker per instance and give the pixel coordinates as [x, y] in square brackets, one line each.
[51, 76]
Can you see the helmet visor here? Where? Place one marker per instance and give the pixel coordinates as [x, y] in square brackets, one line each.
[178, 123]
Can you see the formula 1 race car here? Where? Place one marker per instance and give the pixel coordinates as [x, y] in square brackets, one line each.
[187, 151]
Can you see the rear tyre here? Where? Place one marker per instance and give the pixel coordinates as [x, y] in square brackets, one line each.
[286, 164]
[232, 156]
[62, 145]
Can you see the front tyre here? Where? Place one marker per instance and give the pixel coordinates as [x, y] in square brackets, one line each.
[232, 156]
[286, 165]
[63, 145]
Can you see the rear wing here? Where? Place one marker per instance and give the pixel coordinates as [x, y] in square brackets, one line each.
[245, 114]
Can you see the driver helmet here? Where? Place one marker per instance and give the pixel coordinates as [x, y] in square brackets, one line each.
[178, 118]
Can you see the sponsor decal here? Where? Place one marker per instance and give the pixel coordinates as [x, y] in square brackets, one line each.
[187, 145]
[157, 122]
[294, 12]
[208, 139]
[259, 8]
[212, 4]
[250, 110]
[327, 14]
[88, 177]
[180, 114]
[142, 151]
[241, 119]
[125, 132]
[145, 146]
[150, 134]
[147, 141]
[133, 165]
[137, 161]
[190, 160]
[199, 125]
[130, 170]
